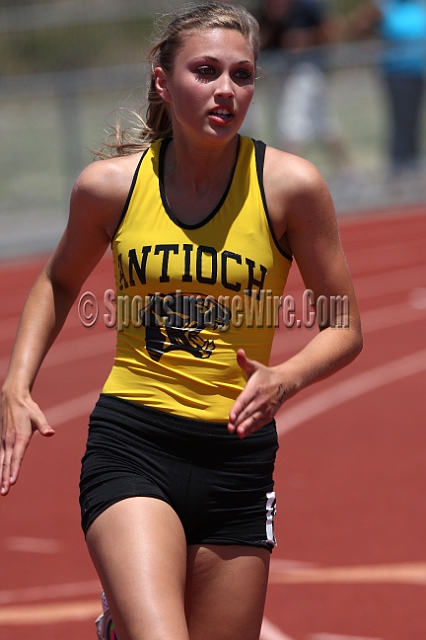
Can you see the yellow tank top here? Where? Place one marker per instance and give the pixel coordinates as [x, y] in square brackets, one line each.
[189, 296]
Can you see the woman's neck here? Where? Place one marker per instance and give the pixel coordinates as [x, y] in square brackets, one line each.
[195, 179]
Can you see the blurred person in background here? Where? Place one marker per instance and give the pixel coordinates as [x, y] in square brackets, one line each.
[402, 26]
[300, 29]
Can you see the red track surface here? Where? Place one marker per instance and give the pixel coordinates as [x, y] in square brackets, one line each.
[350, 478]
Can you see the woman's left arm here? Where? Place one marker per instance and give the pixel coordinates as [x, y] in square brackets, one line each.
[303, 217]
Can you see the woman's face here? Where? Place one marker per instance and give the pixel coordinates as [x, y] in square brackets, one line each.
[211, 86]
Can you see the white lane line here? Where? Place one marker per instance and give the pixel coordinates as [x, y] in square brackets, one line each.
[341, 392]
[337, 636]
[391, 316]
[418, 298]
[32, 545]
[84, 610]
[50, 613]
[282, 571]
[270, 632]
[409, 573]
[284, 565]
[403, 573]
[54, 591]
[87, 610]
[373, 320]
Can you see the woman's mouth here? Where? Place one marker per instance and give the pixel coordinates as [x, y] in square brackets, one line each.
[221, 115]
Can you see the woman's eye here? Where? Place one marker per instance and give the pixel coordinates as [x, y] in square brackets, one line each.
[205, 71]
[243, 74]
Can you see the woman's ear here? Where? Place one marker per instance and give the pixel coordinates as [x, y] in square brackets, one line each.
[161, 84]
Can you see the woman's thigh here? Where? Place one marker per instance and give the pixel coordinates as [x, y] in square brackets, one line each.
[139, 550]
[225, 591]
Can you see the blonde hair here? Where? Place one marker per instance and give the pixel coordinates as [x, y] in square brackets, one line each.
[157, 123]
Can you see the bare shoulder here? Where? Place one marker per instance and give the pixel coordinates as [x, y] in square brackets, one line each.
[295, 191]
[300, 174]
[97, 201]
[101, 190]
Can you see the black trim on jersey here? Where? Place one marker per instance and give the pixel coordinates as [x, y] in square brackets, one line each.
[260, 148]
[169, 212]
[129, 195]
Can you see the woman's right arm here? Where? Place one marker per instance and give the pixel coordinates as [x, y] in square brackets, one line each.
[97, 200]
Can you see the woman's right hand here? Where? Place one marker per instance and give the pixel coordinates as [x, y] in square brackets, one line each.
[19, 420]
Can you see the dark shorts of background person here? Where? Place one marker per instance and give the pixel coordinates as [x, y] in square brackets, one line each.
[220, 486]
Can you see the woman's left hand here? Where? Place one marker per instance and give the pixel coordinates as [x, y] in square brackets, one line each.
[259, 401]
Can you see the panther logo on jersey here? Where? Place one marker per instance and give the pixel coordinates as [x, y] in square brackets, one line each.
[175, 321]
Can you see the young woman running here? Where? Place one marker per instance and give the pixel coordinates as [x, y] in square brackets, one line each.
[176, 486]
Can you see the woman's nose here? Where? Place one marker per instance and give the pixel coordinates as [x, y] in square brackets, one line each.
[225, 86]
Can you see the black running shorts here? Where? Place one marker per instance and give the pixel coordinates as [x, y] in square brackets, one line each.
[220, 486]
